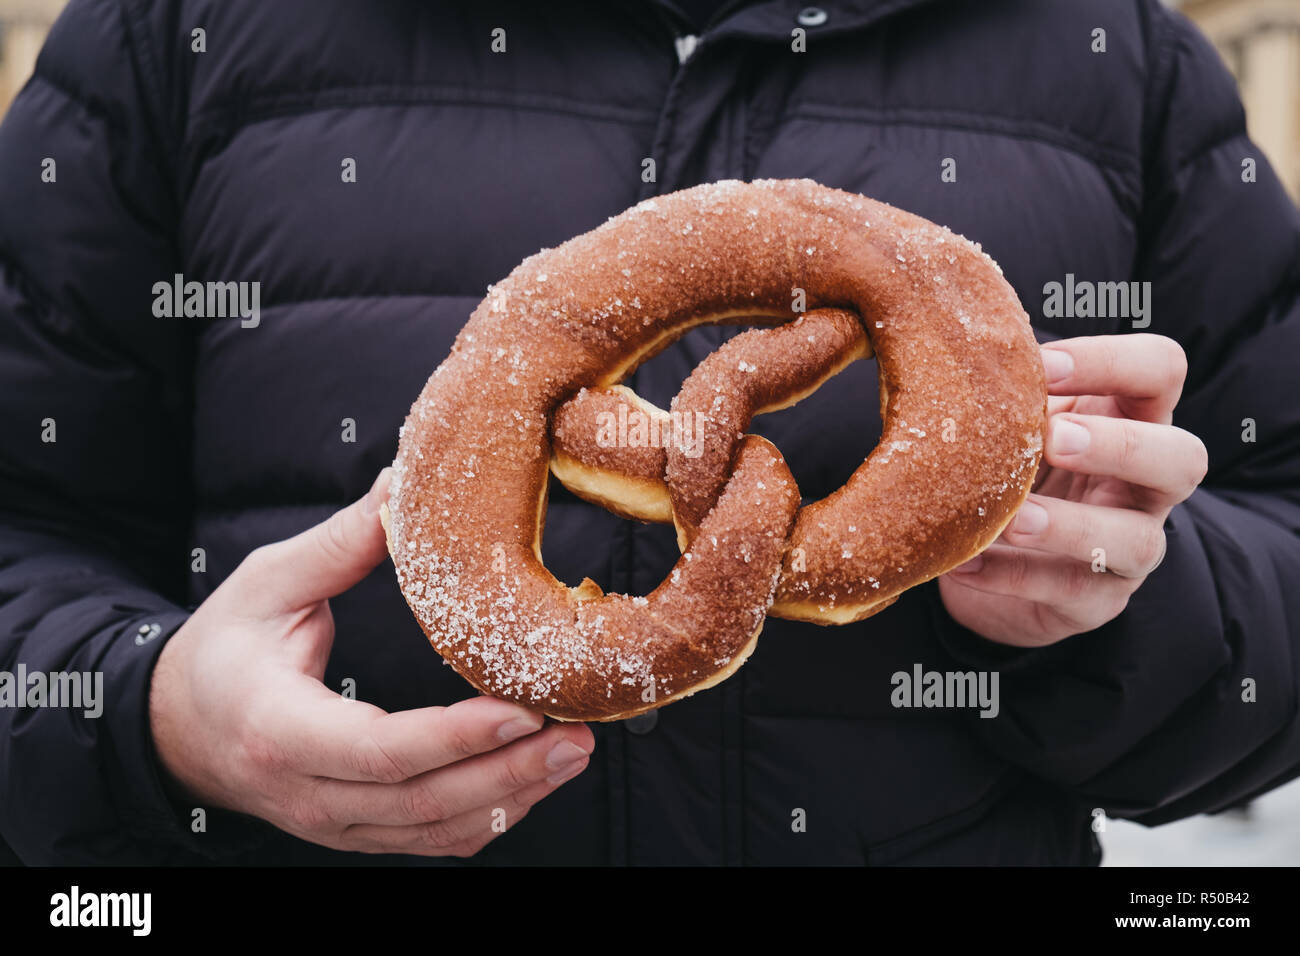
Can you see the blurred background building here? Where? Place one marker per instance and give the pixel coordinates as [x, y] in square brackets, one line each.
[1260, 42]
[23, 24]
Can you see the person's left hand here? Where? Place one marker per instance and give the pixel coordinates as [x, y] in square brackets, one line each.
[1093, 528]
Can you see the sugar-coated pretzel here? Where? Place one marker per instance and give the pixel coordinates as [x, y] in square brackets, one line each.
[532, 386]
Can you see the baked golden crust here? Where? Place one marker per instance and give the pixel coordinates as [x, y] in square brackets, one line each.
[962, 435]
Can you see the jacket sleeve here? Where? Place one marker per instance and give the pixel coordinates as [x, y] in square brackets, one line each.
[93, 452]
[1187, 702]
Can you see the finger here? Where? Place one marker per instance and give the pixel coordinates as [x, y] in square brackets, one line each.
[1167, 460]
[479, 781]
[464, 837]
[322, 734]
[1069, 587]
[1125, 542]
[1143, 372]
[308, 649]
[461, 835]
[1003, 619]
[325, 560]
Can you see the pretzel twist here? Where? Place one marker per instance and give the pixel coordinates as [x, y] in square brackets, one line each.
[532, 388]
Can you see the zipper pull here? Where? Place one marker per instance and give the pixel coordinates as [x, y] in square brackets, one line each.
[686, 46]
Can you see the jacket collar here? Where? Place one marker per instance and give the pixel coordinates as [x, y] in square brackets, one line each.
[774, 19]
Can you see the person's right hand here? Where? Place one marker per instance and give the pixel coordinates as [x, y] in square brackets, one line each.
[241, 720]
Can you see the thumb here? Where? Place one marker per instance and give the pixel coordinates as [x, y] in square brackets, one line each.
[332, 556]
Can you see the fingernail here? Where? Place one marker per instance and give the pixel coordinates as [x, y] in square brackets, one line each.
[519, 727]
[971, 566]
[378, 492]
[567, 773]
[563, 754]
[1069, 438]
[1030, 519]
[1057, 365]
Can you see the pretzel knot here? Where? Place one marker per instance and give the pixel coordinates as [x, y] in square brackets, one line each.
[531, 388]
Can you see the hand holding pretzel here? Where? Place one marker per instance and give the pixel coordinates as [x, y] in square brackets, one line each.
[1093, 529]
[241, 718]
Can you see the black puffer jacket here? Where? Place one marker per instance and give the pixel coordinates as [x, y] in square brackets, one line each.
[175, 434]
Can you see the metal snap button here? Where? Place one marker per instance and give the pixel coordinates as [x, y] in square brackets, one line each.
[812, 17]
[642, 723]
[147, 633]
